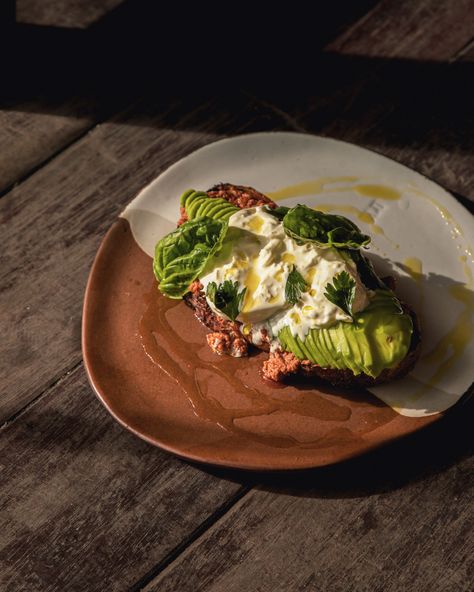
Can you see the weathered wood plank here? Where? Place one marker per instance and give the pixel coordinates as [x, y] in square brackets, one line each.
[31, 132]
[84, 504]
[53, 223]
[424, 116]
[426, 29]
[415, 111]
[45, 106]
[467, 53]
[399, 519]
[63, 13]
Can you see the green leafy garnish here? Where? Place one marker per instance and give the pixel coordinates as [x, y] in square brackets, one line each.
[279, 212]
[295, 284]
[226, 297]
[342, 292]
[325, 230]
[181, 255]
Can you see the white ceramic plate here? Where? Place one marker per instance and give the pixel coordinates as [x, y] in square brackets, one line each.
[421, 235]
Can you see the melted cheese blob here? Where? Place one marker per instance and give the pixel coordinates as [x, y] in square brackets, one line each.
[260, 258]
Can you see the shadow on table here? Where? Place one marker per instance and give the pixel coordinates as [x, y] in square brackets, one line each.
[174, 66]
[410, 459]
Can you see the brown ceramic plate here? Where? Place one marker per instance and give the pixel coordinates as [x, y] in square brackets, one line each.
[147, 357]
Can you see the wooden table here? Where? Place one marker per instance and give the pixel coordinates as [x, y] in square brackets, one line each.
[85, 505]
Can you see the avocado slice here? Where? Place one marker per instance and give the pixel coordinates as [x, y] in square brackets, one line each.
[328, 338]
[184, 197]
[225, 212]
[213, 206]
[305, 348]
[291, 343]
[319, 356]
[193, 205]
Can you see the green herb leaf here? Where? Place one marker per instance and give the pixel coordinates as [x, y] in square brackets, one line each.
[295, 284]
[342, 292]
[326, 230]
[226, 297]
[279, 212]
[182, 255]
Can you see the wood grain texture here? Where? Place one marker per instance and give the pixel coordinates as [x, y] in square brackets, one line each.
[55, 87]
[85, 505]
[399, 519]
[425, 29]
[53, 223]
[63, 13]
[35, 130]
[466, 54]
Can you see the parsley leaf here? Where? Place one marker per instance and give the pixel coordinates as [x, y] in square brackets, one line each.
[342, 292]
[226, 297]
[295, 284]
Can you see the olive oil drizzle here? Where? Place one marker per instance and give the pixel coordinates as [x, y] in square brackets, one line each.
[182, 363]
[325, 185]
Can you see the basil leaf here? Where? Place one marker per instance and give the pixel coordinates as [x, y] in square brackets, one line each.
[295, 284]
[279, 212]
[325, 230]
[182, 255]
[341, 292]
[226, 297]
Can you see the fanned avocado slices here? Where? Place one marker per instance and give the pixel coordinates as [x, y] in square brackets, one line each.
[197, 204]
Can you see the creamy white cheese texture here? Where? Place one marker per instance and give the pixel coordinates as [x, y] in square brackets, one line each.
[260, 259]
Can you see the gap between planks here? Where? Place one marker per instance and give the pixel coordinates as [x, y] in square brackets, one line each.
[196, 534]
[35, 168]
[465, 50]
[54, 382]
[111, 116]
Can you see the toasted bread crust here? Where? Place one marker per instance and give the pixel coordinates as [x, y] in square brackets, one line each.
[240, 195]
[227, 338]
